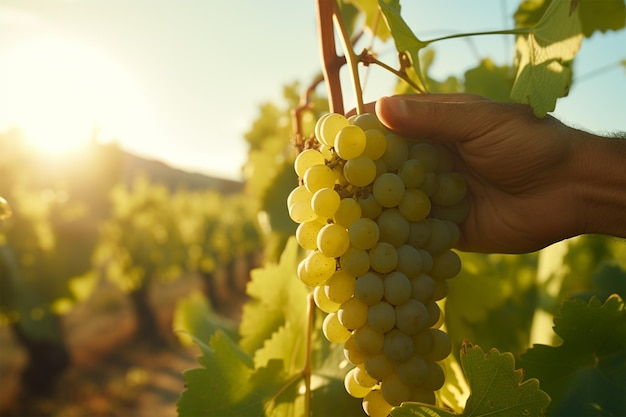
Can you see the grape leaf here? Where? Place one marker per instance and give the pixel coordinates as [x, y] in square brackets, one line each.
[594, 15]
[544, 58]
[403, 36]
[586, 374]
[278, 296]
[490, 80]
[228, 385]
[373, 19]
[496, 388]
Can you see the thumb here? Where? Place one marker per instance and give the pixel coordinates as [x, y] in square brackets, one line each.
[440, 117]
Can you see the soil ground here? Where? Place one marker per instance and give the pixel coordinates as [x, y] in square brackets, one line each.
[111, 373]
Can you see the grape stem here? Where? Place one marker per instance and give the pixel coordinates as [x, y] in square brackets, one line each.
[331, 62]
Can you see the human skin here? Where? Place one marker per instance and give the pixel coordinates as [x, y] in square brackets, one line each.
[531, 181]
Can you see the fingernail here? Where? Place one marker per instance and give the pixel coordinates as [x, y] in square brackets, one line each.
[393, 105]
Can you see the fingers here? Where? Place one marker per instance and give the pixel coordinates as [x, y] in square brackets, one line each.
[442, 117]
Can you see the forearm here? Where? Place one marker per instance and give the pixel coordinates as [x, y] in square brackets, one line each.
[598, 168]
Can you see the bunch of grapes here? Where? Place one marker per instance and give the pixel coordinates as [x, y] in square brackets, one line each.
[379, 214]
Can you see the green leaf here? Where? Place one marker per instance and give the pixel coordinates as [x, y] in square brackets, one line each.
[403, 36]
[373, 19]
[544, 58]
[594, 15]
[586, 374]
[497, 389]
[278, 297]
[490, 80]
[228, 385]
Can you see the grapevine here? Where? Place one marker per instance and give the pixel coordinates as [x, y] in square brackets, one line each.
[378, 215]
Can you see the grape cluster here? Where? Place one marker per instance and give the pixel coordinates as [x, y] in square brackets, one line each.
[378, 215]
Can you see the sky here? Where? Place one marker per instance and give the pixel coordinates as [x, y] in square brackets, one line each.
[181, 81]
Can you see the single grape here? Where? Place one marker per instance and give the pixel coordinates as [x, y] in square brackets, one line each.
[397, 152]
[306, 234]
[363, 378]
[318, 177]
[360, 171]
[306, 159]
[388, 190]
[369, 288]
[367, 121]
[409, 261]
[302, 211]
[355, 261]
[350, 142]
[368, 340]
[329, 128]
[333, 330]
[379, 366]
[370, 208]
[452, 189]
[393, 226]
[381, 317]
[383, 257]
[422, 288]
[319, 268]
[441, 348]
[352, 314]
[375, 144]
[348, 212]
[375, 405]
[352, 352]
[339, 287]
[415, 205]
[322, 302]
[325, 202]
[398, 345]
[446, 265]
[435, 377]
[411, 317]
[352, 387]
[333, 240]
[364, 233]
[300, 193]
[397, 288]
[395, 392]
[413, 371]
[426, 154]
[413, 173]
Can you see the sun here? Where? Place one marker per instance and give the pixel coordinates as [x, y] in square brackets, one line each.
[58, 90]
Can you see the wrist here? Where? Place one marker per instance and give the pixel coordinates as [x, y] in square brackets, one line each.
[598, 172]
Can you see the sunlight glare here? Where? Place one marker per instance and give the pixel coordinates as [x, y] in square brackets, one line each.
[58, 90]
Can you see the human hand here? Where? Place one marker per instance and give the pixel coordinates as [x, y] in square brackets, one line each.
[521, 171]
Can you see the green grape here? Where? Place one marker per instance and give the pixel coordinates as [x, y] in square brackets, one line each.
[422, 288]
[339, 287]
[452, 189]
[411, 317]
[396, 153]
[388, 190]
[413, 371]
[330, 126]
[435, 316]
[375, 144]
[427, 260]
[381, 317]
[409, 261]
[360, 171]
[367, 121]
[375, 405]
[302, 211]
[363, 378]
[370, 208]
[319, 268]
[446, 265]
[306, 234]
[348, 212]
[381, 167]
[435, 377]
[352, 387]
[364, 233]
[369, 288]
[318, 127]
[306, 159]
[325, 202]
[383, 257]
[393, 226]
[415, 205]
[333, 240]
[368, 341]
[397, 288]
[413, 173]
[430, 184]
[318, 177]
[333, 330]
[300, 193]
[355, 261]
[323, 302]
[441, 289]
[424, 395]
[398, 346]
[441, 348]
[325, 150]
[379, 366]
[440, 236]
[426, 154]
[455, 233]
[419, 233]
[455, 214]
[350, 142]
[352, 352]
[352, 314]
[395, 392]
[423, 342]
